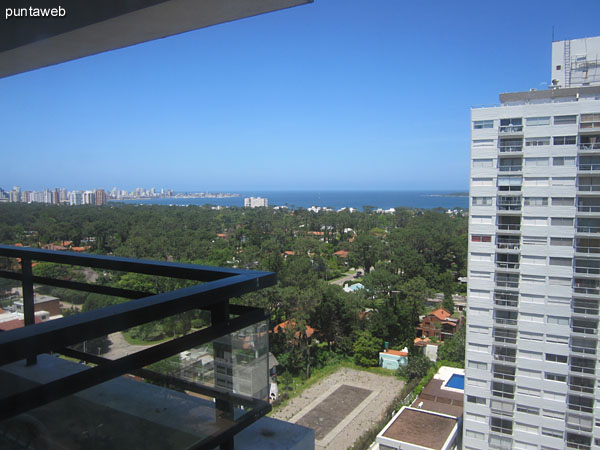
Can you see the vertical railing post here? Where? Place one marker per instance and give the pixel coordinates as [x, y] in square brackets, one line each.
[28, 303]
[223, 366]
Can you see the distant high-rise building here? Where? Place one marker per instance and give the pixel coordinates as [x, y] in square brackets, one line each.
[15, 195]
[88, 198]
[56, 196]
[534, 263]
[75, 198]
[47, 196]
[63, 196]
[100, 197]
[255, 202]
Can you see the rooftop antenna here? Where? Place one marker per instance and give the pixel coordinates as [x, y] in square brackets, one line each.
[552, 33]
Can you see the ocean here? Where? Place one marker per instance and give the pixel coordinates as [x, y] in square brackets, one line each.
[331, 199]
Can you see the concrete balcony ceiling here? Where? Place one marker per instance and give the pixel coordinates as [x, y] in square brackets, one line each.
[91, 27]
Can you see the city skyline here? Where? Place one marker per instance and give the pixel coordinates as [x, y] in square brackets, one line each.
[291, 100]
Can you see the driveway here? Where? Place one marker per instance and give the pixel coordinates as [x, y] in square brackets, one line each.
[344, 279]
[119, 347]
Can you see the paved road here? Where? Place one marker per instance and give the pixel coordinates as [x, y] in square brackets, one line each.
[341, 281]
[119, 347]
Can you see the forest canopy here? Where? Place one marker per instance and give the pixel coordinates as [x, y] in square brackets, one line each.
[405, 257]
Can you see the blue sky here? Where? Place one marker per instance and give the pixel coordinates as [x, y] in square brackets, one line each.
[338, 94]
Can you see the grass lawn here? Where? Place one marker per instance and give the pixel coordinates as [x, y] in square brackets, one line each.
[136, 341]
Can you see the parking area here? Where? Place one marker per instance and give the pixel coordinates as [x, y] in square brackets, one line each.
[342, 406]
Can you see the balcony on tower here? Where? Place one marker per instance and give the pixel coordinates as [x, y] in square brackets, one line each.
[588, 164]
[511, 127]
[511, 146]
[587, 226]
[588, 185]
[581, 384]
[585, 327]
[508, 243]
[510, 165]
[578, 442]
[502, 372]
[584, 308]
[505, 336]
[506, 299]
[581, 346]
[507, 280]
[588, 206]
[509, 223]
[506, 318]
[587, 267]
[589, 143]
[509, 183]
[587, 246]
[580, 403]
[503, 390]
[586, 286]
[589, 123]
[507, 261]
[505, 204]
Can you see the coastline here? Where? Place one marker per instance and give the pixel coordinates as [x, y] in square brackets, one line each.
[331, 200]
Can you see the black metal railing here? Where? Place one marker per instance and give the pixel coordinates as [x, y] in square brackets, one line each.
[212, 293]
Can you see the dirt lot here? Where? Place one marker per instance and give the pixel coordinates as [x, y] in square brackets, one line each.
[339, 431]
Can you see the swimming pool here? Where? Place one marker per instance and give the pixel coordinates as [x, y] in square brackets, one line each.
[456, 381]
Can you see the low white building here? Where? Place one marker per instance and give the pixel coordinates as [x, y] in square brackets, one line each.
[255, 202]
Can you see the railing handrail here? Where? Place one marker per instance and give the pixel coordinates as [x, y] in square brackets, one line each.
[219, 285]
[590, 209]
[589, 146]
[589, 187]
[507, 303]
[587, 229]
[508, 245]
[509, 226]
[587, 269]
[510, 128]
[507, 265]
[586, 249]
[160, 268]
[53, 335]
[510, 148]
[588, 167]
[502, 321]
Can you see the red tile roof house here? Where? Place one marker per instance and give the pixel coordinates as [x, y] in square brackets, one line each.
[438, 324]
[342, 253]
[282, 328]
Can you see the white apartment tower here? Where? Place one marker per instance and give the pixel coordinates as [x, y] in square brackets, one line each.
[532, 375]
[255, 202]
